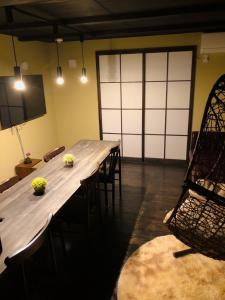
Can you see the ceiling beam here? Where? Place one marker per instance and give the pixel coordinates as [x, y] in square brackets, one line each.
[43, 20]
[19, 2]
[150, 30]
[181, 11]
[187, 10]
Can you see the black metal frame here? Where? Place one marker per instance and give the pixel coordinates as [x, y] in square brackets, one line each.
[144, 51]
[199, 218]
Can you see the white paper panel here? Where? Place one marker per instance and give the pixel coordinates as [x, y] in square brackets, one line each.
[109, 66]
[177, 122]
[155, 95]
[111, 121]
[110, 95]
[131, 67]
[176, 147]
[155, 121]
[178, 94]
[156, 66]
[154, 146]
[180, 64]
[112, 137]
[132, 145]
[132, 121]
[132, 95]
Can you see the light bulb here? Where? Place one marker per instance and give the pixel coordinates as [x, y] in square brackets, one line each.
[83, 79]
[19, 85]
[60, 80]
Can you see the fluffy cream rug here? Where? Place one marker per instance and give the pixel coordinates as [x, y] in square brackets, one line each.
[153, 273]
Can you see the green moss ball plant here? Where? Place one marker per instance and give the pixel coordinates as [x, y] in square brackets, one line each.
[69, 160]
[39, 184]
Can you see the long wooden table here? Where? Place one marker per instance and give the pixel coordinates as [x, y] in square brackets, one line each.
[24, 214]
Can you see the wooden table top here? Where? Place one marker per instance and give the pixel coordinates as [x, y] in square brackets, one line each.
[24, 214]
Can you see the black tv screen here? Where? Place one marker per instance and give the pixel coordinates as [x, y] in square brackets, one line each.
[17, 107]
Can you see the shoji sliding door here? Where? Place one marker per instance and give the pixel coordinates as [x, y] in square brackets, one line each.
[145, 101]
[121, 78]
[131, 96]
[110, 91]
[167, 104]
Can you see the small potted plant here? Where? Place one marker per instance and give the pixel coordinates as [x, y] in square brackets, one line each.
[27, 159]
[39, 184]
[68, 160]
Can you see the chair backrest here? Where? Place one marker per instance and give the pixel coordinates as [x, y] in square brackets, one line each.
[112, 161]
[49, 155]
[33, 246]
[8, 183]
[90, 188]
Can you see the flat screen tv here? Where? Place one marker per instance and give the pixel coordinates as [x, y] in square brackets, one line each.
[17, 107]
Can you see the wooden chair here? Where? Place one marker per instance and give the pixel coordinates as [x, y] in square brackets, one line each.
[8, 183]
[49, 155]
[118, 172]
[84, 203]
[109, 170]
[18, 259]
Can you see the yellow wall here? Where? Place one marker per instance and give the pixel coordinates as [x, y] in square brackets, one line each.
[76, 104]
[206, 75]
[72, 109]
[38, 135]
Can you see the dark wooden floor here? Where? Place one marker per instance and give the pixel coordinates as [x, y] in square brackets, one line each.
[90, 270]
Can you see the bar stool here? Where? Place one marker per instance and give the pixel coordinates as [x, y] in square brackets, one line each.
[18, 259]
[109, 170]
[84, 204]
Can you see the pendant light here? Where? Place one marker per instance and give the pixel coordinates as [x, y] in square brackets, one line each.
[59, 77]
[83, 78]
[19, 83]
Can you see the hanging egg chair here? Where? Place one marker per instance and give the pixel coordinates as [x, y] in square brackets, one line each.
[198, 219]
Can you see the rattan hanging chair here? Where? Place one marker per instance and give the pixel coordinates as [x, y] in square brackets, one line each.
[198, 219]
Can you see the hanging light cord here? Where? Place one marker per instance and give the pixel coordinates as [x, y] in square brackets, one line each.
[14, 51]
[20, 141]
[82, 51]
[57, 51]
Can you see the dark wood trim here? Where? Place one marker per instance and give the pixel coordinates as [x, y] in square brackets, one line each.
[121, 107]
[155, 161]
[194, 61]
[154, 134]
[165, 127]
[169, 134]
[146, 50]
[175, 162]
[143, 103]
[122, 133]
[131, 160]
[99, 95]
[181, 80]
[111, 108]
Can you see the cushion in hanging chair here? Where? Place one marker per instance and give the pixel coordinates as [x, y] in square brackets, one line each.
[190, 213]
[183, 207]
